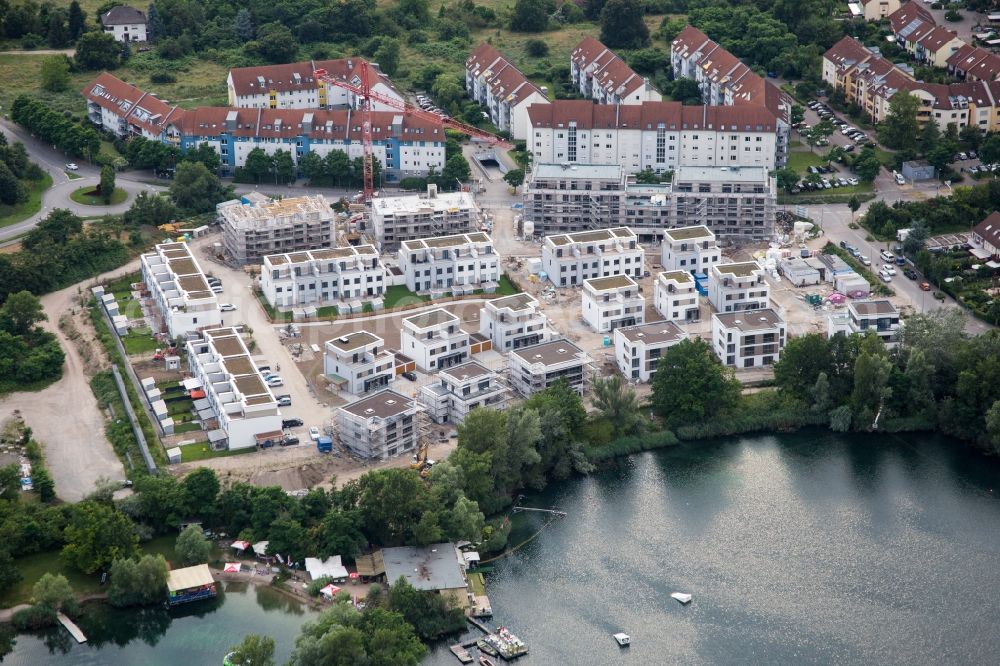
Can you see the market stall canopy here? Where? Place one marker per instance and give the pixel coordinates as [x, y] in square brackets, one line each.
[241, 545]
[232, 567]
[261, 547]
[329, 590]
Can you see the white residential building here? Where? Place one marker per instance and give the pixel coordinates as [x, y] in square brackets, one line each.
[638, 349]
[294, 86]
[126, 111]
[500, 87]
[411, 217]
[612, 302]
[536, 368]
[879, 316]
[569, 259]
[322, 277]
[749, 339]
[601, 75]
[660, 136]
[459, 390]
[459, 263]
[378, 427]
[255, 226]
[358, 363]
[177, 286]
[512, 322]
[243, 404]
[738, 286]
[693, 249]
[434, 340]
[676, 296]
[125, 24]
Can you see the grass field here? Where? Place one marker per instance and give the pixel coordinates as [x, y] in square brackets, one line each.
[400, 295]
[139, 341]
[800, 160]
[203, 451]
[82, 196]
[22, 211]
[35, 566]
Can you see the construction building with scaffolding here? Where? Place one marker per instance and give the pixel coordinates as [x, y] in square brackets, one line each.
[411, 217]
[379, 427]
[460, 389]
[536, 368]
[255, 226]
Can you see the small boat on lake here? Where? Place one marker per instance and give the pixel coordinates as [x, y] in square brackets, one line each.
[682, 597]
[623, 639]
[487, 648]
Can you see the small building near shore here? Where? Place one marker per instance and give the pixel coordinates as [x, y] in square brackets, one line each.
[436, 568]
[190, 584]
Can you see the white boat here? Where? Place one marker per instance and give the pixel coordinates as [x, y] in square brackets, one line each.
[623, 639]
[682, 597]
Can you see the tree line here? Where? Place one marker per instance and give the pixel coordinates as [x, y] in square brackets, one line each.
[55, 128]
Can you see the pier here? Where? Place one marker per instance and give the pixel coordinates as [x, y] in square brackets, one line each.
[71, 627]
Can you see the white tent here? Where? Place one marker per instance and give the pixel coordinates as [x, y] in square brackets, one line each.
[331, 567]
[261, 548]
[329, 590]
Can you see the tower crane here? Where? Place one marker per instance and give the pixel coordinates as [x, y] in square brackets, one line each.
[365, 95]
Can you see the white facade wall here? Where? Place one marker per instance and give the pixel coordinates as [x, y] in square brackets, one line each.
[738, 287]
[637, 357]
[513, 322]
[606, 308]
[177, 285]
[325, 278]
[454, 395]
[434, 345]
[442, 263]
[134, 32]
[676, 297]
[359, 358]
[570, 264]
[742, 341]
[688, 249]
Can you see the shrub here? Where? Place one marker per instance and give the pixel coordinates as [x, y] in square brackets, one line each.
[34, 618]
[536, 48]
[628, 445]
[162, 77]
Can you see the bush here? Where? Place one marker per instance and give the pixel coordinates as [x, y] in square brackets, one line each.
[763, 411]
[317, 585]
[162, 77]
[536, 48]
[34, 618]
[628, 445]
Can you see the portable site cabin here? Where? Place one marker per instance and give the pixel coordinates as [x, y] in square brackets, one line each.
[190, 584]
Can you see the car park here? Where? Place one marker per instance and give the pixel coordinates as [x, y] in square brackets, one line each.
[227, 307]
[313, 433]
[291, 423]
[910, 273]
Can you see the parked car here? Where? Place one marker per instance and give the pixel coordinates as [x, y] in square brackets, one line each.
[900, 260]
[972, 155]
[865, 260]
[910, 273]
[843, 244]
[852, 181]
[217, 289]
[71, 167]
[963, 156]
[274, 381]
[890, 269]
[885, 277]
[925, 286]
[289, 441]
[314, 433]
[284, 400]
[291, 423]
[227, 307]
[900, 180]
[888, 256]
[412, 376]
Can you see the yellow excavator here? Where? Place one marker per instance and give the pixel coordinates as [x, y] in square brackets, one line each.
[420, 461]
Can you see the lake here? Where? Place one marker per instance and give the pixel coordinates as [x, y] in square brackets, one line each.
[196, 635]
[798, 549]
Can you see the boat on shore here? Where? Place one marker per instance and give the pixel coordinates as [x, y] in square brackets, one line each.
[486, 647]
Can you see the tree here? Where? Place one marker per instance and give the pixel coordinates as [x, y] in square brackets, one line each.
[536, 48]
[622, 24]
[57, 36]
[243, 25]
[387, 55]
[11, 190]
[20, 312]
[107, 186]
[52, 591]
[138, 583]
[900, 129]
[97, 50]
[821, 130]
[274, 43]
[821, 393]
[787, 178]
[341, 534]
[43, 483]
[920, 377]
[288, 538]
[76, 20]
[196, 190]
[201, 487]
[10, 575]
[10, 481]
[687, 92]
[55, 73]
[854, 203]
[915, 239]
[867, 165]
[253, 650]
[990, 150]
[617, 403]
[456, 170]
[531, 15]
[154, 24]
[929, 138]
[205, 154]
[428, 614]
[257, 165]
[96, 536]
[284, 166]
[149, 209]
[514, 178]
[802, 361]
[690, 384]
[192, 547]
[798, 114]
[993, 425]
[871, 378]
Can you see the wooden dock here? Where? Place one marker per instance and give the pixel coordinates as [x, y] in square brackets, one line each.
[462, 654]
[71, 627]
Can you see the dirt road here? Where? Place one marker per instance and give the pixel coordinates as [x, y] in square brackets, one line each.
[65, 417]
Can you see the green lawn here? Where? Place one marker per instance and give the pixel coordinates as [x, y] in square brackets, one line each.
[180, 428]
[801, 160]
[22, 211]
[203, 451]
[34, 567]
[399, 295]
[887, 158]
[506, 287]
[327, 311]
[83, 196]
[139, 341]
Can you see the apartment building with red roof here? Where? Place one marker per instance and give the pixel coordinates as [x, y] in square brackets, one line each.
[502, 89]
[600, 74]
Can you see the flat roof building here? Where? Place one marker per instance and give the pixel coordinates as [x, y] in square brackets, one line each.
[179, 291]
[569, 259]
[612, 302]
[536, 368]
[638, 348]
[435, 568]
[358, 363]
[512, 322]
[460, 389]
[457, 263]
[692, 249]
[738, 286]
[750, 339]
[322, 277]
[434, 340]
[380, 426]
[253, 228]
[676, 296]
[412, 217]
[879, 316]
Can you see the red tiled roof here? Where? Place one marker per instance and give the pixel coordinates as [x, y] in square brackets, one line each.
[510, 84]
[587, 51]
[847, 52]
[989, 229]
[295, 76]
[610, 71]
[138, 107]
[689, 39]
[484, 56]
[648, 115]
[937, 38]
[905, 15]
